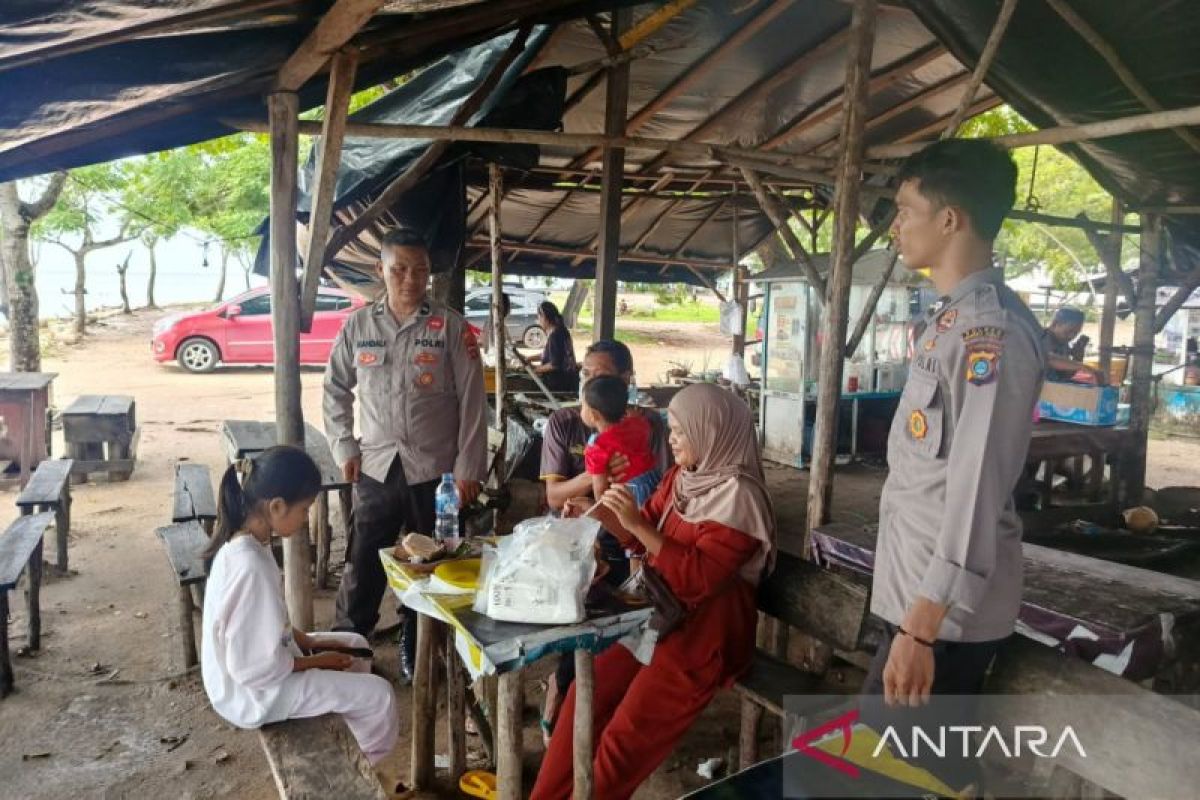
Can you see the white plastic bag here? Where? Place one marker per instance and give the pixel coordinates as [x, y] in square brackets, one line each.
[541, 573]
[732, 321]
[735, 371]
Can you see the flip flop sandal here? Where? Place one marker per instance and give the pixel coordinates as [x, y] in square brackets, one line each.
[478, 783]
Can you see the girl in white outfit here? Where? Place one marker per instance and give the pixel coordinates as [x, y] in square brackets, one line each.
[257, 668]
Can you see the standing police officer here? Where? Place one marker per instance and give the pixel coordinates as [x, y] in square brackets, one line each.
[414, 366]
[948, 561]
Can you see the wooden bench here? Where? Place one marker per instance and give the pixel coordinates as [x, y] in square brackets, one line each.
[318, 758]
[194, 497]
[185, 543]
[827, 606]
[50, 490]
[94, 423]
[21, 549]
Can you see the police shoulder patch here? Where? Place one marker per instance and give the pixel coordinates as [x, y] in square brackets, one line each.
[982, 362]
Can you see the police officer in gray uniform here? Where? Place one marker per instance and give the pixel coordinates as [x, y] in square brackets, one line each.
[948, 560]
[414, 366]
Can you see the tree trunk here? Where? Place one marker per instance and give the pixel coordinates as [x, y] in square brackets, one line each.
[221, 280]
[122, 269]
[80, 292]
[575, 300]
[153, 274]
[24, 346]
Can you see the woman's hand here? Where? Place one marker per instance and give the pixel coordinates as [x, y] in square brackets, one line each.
[338, 662]
[619, 500]
[576, 507]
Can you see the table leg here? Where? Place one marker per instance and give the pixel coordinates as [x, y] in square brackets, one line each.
[33, 591]
[321, 532]
[1096, 475]
[853, 429]
[424, 704]
[456, 703]
[508, 737]
[748, 737]
[187, 628]
[6, 673]
[585, 686]
[62, 526]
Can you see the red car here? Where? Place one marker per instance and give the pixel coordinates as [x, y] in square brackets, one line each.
[238, 331]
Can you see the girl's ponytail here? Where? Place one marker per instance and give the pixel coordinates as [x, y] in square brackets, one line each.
[231, 510]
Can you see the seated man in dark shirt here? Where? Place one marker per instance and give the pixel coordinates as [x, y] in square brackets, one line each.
[1064, 359]
[565, 475]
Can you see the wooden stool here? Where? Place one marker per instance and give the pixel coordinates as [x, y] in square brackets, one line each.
[50, 490]
[185, 543]
[95, 421]
[21, 547]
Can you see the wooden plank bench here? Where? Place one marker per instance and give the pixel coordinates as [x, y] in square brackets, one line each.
[185, 543]
[94, 423]
[827, 606]
[194, 497]
[318, 758]
[50, 490]
[21, 549]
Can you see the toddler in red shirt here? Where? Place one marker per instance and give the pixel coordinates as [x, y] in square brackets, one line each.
[617, 431]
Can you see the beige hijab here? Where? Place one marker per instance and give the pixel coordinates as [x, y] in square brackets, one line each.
[727, 486]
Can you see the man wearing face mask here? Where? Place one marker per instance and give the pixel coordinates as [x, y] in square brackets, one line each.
[413, 367]
[565, 475]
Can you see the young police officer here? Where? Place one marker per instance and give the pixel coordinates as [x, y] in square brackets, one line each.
[948, 560]
[414, 366]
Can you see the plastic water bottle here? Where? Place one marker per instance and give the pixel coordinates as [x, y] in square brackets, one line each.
[445, 503]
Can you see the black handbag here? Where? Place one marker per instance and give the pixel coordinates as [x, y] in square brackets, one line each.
[669, 613]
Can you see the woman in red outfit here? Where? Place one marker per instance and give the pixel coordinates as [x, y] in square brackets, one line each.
[709, 530]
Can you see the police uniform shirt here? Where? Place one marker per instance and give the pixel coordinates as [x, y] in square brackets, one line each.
[948, 530]
[420, 395]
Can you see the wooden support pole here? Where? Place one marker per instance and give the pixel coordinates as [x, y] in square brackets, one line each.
[612, 180]
[584, 731]
[511, 702]
[779, 218]
[1176, 301]
[283, 108]
[566, 252]
[986, 56]
[868, 312]
[834, 320]
[329, 158]
[323, 537]
[424, 704]
[456, 702]
[1110, 256]
[1142, 375]
[338, 25]
[499, 332]
[741, 284]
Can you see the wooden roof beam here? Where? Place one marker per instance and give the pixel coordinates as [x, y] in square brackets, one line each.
[1109, 54]
[574, 253]
[334, 30]
[831, 106]
[693, 74]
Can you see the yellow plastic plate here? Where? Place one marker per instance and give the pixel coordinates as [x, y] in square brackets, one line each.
[462, 574]
[478, 783]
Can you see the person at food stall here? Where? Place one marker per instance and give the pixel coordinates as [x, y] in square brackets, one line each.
[558, 368]
[1065, 347]
[947, 578]
[564, 472]
[709, 535]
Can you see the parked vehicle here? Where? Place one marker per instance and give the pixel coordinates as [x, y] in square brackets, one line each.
[239, 331]
[521, 326]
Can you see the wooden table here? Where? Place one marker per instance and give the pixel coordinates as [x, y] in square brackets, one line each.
[1055, 441]
[24, 401]
[1123, 619]
[244, 438]
[488, 647]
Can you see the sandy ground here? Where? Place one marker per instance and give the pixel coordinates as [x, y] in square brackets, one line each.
[103, 710]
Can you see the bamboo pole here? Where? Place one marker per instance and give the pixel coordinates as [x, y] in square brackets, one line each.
[567, 252]
[990, 48]
[1111, 258]
[1176, 301]
[864, 322]
[616, 106]
[329, 158]
[499, 332]
[283, 108]
[834, 320]
[741, 286]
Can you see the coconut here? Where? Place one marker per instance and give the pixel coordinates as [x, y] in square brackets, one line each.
[1141, 519]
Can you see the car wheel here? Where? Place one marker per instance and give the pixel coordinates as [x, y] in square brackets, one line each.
[198, 355]
[534, 338]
